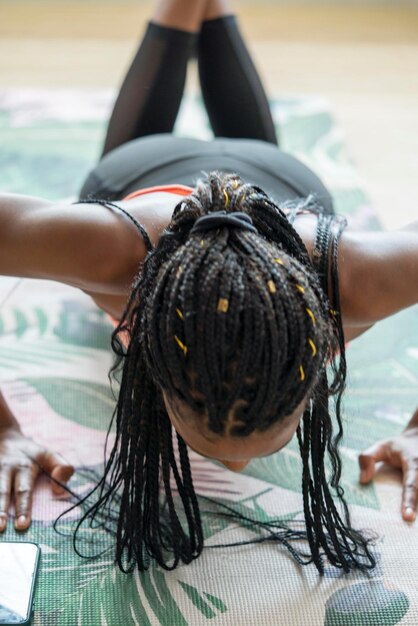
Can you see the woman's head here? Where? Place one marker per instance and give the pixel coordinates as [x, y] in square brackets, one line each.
[235, 452]
[230, 333]
[235, 317]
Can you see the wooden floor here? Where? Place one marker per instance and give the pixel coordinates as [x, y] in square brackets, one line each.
[363, 60]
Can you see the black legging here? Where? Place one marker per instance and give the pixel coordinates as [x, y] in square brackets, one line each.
[140, 149]
[150, 96]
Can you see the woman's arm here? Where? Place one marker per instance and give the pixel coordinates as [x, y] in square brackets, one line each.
[378, 274]
[83, 245]
[379, 277]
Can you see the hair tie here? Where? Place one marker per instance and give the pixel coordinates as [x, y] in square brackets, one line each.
[222, 218]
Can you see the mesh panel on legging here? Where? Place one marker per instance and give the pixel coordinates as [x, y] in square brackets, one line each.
[234, 96]
[151, 93]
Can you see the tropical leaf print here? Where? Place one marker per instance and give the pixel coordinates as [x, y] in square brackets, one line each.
[77, 324]
[284, 469]
[74, 590]
[83, 402]
[140, 598]
[54, 357]
[83, 325]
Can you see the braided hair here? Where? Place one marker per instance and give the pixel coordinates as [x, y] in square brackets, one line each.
[213, 318]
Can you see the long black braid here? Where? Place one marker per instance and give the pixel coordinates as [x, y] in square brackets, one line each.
[214, 319]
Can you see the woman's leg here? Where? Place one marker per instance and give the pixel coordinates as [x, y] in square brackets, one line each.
[151, 93]
[235, 99]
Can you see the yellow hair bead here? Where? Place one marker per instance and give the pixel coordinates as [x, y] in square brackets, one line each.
[271, 286]
[181, 344]
[202, 241]
[311, 315]
[223, 305]
[302, 373]
[301, 289]
[311, 343]
[226, 198]
[333, 312]
[180, 314]
[235, 183]
[279, 261]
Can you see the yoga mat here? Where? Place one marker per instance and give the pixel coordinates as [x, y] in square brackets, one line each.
[54, 357]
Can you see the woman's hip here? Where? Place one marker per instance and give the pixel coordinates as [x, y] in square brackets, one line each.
[167, 159]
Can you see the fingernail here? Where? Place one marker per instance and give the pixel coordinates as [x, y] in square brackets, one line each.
[410, 513]
[363, 474]
[21, 520]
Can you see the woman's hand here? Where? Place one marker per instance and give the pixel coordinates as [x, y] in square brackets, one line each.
[400, 451]
[19, 456]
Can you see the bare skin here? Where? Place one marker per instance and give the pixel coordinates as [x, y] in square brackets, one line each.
[181, 14]
[234, 452]
[98, 250]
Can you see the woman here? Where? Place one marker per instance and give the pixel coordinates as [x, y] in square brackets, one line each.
[239, 289]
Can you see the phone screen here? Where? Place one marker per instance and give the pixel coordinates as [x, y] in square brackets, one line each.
[18, 566]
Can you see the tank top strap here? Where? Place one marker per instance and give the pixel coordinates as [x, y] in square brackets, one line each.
[291, 214]
[143, 231]
[181, 190]
[294, 211]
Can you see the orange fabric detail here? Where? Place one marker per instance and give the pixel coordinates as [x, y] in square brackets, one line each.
[180, 190]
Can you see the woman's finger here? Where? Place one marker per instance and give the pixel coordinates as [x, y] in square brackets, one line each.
[58, 468]
[368, 458]
[410, 491]
[24, 482]
[6, 476]
[62, 473]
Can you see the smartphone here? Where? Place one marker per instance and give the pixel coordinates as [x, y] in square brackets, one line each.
[19, 564]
